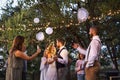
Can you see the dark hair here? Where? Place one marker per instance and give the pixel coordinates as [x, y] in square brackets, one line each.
[95, 28]
[17, 43]
[82, 55]
[61, 40]
[74, 42]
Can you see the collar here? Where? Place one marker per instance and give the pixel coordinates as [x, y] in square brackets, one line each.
[62, 47]
[96, 37]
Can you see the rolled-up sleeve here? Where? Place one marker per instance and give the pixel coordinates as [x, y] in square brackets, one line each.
[64, 55]
[82, 51]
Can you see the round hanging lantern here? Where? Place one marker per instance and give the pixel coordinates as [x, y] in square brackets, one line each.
[36, 20]
[82, 14]
[40, 36]
[49, 30]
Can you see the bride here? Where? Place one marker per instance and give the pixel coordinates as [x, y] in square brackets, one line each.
[51, 73]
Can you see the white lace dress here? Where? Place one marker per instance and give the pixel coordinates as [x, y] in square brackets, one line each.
[52, 71]
[43, 68]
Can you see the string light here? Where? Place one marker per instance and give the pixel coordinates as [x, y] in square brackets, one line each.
[110, 13]
[71, 23]
[89, 17]
[62, 21]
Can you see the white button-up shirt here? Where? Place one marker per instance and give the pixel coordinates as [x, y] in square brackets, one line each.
[92, 52]
[64, 55]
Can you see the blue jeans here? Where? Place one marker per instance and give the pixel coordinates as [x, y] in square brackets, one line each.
[80, 76]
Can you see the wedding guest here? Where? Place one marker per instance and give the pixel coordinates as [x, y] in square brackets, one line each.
[16, 57]
[92, 66]
[43, 66]
[79, 67]
[24, 72]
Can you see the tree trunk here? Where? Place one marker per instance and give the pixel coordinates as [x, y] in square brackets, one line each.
[114, 58]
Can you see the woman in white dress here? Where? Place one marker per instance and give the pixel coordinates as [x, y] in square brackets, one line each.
[52, 71]
[43, 66]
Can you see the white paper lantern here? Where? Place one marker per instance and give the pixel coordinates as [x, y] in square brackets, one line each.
[82, 14]
[40, 36]
[36, 20]
[49, 30]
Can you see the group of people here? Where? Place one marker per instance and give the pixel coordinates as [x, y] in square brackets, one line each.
[54, 62]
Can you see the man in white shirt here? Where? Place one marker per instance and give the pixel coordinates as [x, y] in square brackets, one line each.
[92, 66]
[62, 59]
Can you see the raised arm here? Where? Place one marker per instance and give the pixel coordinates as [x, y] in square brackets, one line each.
[21, 54]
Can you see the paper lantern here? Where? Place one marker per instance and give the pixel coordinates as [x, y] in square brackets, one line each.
[82, 14]
[36, 20]
[40, 36]
[49, 30]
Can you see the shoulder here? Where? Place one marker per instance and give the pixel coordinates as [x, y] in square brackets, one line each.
[65, 49]
[95, 42]
[78, 62]
[81, 61]
[18, 53]
[43, 58]
[96, 39]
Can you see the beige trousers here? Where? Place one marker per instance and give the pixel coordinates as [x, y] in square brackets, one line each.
[92, 73]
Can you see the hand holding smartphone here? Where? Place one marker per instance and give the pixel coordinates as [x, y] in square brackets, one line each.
[38, 47]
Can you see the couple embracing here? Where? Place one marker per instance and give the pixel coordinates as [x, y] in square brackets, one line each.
[56, 62]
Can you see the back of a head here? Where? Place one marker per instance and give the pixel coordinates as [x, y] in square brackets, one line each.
[17, 43]
[74, 42]
[19, 39]
[50, 45]
[51, 49]
[95, 28]
[61, 40]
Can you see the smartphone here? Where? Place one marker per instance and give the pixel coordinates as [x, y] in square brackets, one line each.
[38, 47]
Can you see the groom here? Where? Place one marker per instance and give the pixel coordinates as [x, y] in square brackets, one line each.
[62, 59]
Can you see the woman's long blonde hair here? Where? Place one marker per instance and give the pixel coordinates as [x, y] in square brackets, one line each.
[51, 50]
